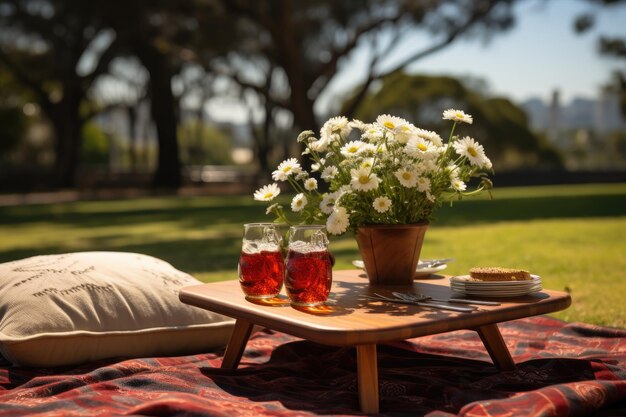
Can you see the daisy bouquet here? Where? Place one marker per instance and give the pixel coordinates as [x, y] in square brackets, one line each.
[385, 172]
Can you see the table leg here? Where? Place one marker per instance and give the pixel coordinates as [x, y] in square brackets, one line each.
[367, 374]
[237, 344]
[492, 339]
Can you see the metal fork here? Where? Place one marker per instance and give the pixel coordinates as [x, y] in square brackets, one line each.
[379, 297]
[422, 297]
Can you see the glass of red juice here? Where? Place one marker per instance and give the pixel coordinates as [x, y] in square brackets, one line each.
[261, 263]
[309, 268]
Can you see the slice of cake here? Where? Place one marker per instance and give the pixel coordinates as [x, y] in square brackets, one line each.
[499, 274]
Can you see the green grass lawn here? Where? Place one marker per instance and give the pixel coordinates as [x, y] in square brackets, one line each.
[573, 236]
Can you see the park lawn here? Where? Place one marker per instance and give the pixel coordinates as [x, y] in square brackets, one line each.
[573, 236]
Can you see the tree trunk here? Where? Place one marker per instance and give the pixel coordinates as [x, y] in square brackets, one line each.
[131, 113]
[67, 125]
[163, 110]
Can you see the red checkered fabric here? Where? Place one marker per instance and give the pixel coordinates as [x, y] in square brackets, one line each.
[564, 369]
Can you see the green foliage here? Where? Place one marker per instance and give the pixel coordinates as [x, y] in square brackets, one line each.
[95, 146]
[204, 145]
[571, 235]
[501, 126]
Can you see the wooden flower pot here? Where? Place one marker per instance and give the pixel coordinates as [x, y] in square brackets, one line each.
[391, 252]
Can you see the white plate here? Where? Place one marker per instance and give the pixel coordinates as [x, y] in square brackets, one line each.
[463, 285]
[467, 281]
[497, 293]
[419, 271]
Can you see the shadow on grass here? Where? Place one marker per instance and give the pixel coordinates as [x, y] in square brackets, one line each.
[489, 211]
[186, 216]
[206, 255]
[202, 215]
[225, 216]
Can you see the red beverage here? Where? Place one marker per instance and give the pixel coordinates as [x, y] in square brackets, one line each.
[261, 274]
[309, 277]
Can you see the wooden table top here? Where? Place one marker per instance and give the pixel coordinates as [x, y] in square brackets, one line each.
[349, 319]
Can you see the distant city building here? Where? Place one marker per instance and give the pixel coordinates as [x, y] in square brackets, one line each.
[600, 115]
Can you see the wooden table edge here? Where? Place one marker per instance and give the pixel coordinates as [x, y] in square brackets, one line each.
[343, 337]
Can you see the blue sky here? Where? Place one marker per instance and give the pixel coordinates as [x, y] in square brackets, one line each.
[541, 53]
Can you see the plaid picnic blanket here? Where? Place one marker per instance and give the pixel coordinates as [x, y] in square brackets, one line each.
[563, 369]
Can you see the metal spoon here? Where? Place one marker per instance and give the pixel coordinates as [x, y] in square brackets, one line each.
[422, 304]
[420, 297]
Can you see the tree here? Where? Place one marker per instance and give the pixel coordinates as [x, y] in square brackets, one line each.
[57, 49]
[499, 125]
[154, 32]
[167, 37]
[305, 42]
[610, 46]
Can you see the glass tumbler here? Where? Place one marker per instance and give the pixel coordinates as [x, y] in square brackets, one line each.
[309, 268]
[261, 264]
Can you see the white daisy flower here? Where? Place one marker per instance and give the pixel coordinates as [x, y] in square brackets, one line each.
[430, 135]
[302, 175]
[267, 192]
[470, 149]
[363, 179]
[407, 177]
[285, 169]
[337, 124]
[430, 197]
[390, 122]
[404, 133]
[319, 145]
[373, 133]
[352, 148]
[342, 192]
[423, 184]
[418, 147]
[310, 184]
[333, 128]
[428, 166]
[453, 170]
[329, 173]
[368, 149]
[316, 166]
[457, 184]
[338, 221]
[357, 124]
[328, 203]
[367, 163]
[487, 162]
[381, 204]
[457, 116]
[381, 149]
[298, 202]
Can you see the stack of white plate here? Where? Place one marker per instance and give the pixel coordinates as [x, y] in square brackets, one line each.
[465, 285]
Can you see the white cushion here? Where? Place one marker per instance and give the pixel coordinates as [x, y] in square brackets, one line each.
[79, 307]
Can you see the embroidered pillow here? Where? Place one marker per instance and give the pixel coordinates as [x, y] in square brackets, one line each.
[80, 307]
